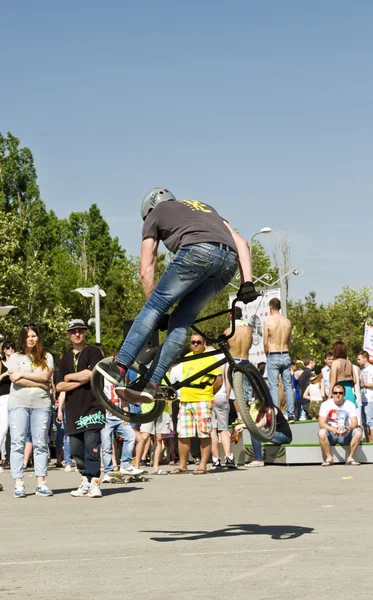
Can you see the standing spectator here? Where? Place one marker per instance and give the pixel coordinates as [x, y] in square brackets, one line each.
[196, 406]
[367, 390]
[296, 372]
[84, 415]
[30, 407]
[304, 380]
[62, 439]
[338, 425]
[124, 430]
[221, 409]
[157, 428]
[342, 372]
[239, 346]
[328, 359]
[315, 393]
[277, 338]
[7, 349]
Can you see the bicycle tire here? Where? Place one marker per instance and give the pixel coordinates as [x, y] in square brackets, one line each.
[97, 383]
[262, 394]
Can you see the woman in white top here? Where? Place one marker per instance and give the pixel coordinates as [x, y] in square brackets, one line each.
[30, 371]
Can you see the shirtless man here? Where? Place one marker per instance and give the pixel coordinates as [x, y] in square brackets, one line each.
[239, 345]
[277, 339]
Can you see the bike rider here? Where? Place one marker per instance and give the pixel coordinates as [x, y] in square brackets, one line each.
[207, 252]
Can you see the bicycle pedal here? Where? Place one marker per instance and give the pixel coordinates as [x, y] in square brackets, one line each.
[166, 393]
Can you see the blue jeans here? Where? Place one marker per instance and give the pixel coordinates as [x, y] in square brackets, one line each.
[196, 274]
[126, 433]
[279, 363]
[63, 441]
[277, 440]
[20, 420]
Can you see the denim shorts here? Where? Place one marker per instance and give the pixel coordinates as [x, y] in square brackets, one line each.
[343, 440]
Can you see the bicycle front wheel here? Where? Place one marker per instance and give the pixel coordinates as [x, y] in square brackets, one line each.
[97, 383]
[254, 401]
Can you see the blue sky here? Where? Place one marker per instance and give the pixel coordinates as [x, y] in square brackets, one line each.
[263, 109]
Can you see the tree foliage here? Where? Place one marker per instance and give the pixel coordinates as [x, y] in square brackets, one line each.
[44, 258]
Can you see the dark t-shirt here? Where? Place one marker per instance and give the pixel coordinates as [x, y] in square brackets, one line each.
[186, 222]
[83, 411]
[5, 382]
[304, 380]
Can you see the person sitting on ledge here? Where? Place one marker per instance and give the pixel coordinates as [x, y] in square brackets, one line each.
[338, 425]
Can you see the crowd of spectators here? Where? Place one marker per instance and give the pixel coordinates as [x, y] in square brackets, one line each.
[50, 414]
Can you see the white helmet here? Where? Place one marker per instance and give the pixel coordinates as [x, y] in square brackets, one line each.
[154, 197]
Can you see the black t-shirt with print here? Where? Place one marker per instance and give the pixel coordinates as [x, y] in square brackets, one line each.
[186, 222]
[83, 411]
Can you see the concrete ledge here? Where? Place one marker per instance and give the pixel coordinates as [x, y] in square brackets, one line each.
[294, 454]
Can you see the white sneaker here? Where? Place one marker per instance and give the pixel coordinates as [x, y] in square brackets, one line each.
[94, 489]
[83, 489]
[68, 468]
[131, 470]
[107, 478]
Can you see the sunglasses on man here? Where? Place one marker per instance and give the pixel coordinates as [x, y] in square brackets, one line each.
[196, 342]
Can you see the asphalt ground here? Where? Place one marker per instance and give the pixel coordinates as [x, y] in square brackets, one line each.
[276, 532]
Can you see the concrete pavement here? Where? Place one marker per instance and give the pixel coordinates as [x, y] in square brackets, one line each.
[276, 532]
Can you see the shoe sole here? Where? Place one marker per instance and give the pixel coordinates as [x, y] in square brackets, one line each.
[106, 375]
[23, 496]
[96, 496]
[45, 495]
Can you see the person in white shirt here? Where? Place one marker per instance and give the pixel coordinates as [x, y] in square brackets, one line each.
[328, 359]
[338, 425]
[366, 370]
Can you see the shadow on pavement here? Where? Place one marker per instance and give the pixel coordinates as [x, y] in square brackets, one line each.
[276, 532]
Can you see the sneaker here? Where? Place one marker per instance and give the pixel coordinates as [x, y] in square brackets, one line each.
[83, 489]
[230, 462]
[68, 468]
[139, 390]
[216, 464]
[107, 478]
[131, 470]
[43, 490]
[291, 419]
[94, 488]
[112, 371]
[143, 463]
[19, 491]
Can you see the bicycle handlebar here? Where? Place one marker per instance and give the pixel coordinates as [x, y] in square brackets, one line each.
[221, 337]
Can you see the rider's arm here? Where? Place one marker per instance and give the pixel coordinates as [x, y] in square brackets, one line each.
[148, 262]
[243, 254]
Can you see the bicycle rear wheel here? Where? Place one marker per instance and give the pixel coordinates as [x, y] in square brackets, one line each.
[254, 400]
[97, 383]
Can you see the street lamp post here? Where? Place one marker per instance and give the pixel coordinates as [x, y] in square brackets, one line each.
[262, 230]
[94, 292]
[281, 280]
[4, 310]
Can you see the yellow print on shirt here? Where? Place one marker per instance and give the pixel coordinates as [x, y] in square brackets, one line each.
[196, 205]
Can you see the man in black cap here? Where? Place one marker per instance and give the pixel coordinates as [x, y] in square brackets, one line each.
[84, 416]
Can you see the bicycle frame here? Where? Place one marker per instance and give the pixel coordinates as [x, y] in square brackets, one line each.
[222, 342]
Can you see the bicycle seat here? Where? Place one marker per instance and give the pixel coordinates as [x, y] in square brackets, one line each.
[147, 355]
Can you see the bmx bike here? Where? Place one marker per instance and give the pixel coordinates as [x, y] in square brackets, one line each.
[251, 391]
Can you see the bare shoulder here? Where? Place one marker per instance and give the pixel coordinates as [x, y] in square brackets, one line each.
[227, 331]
